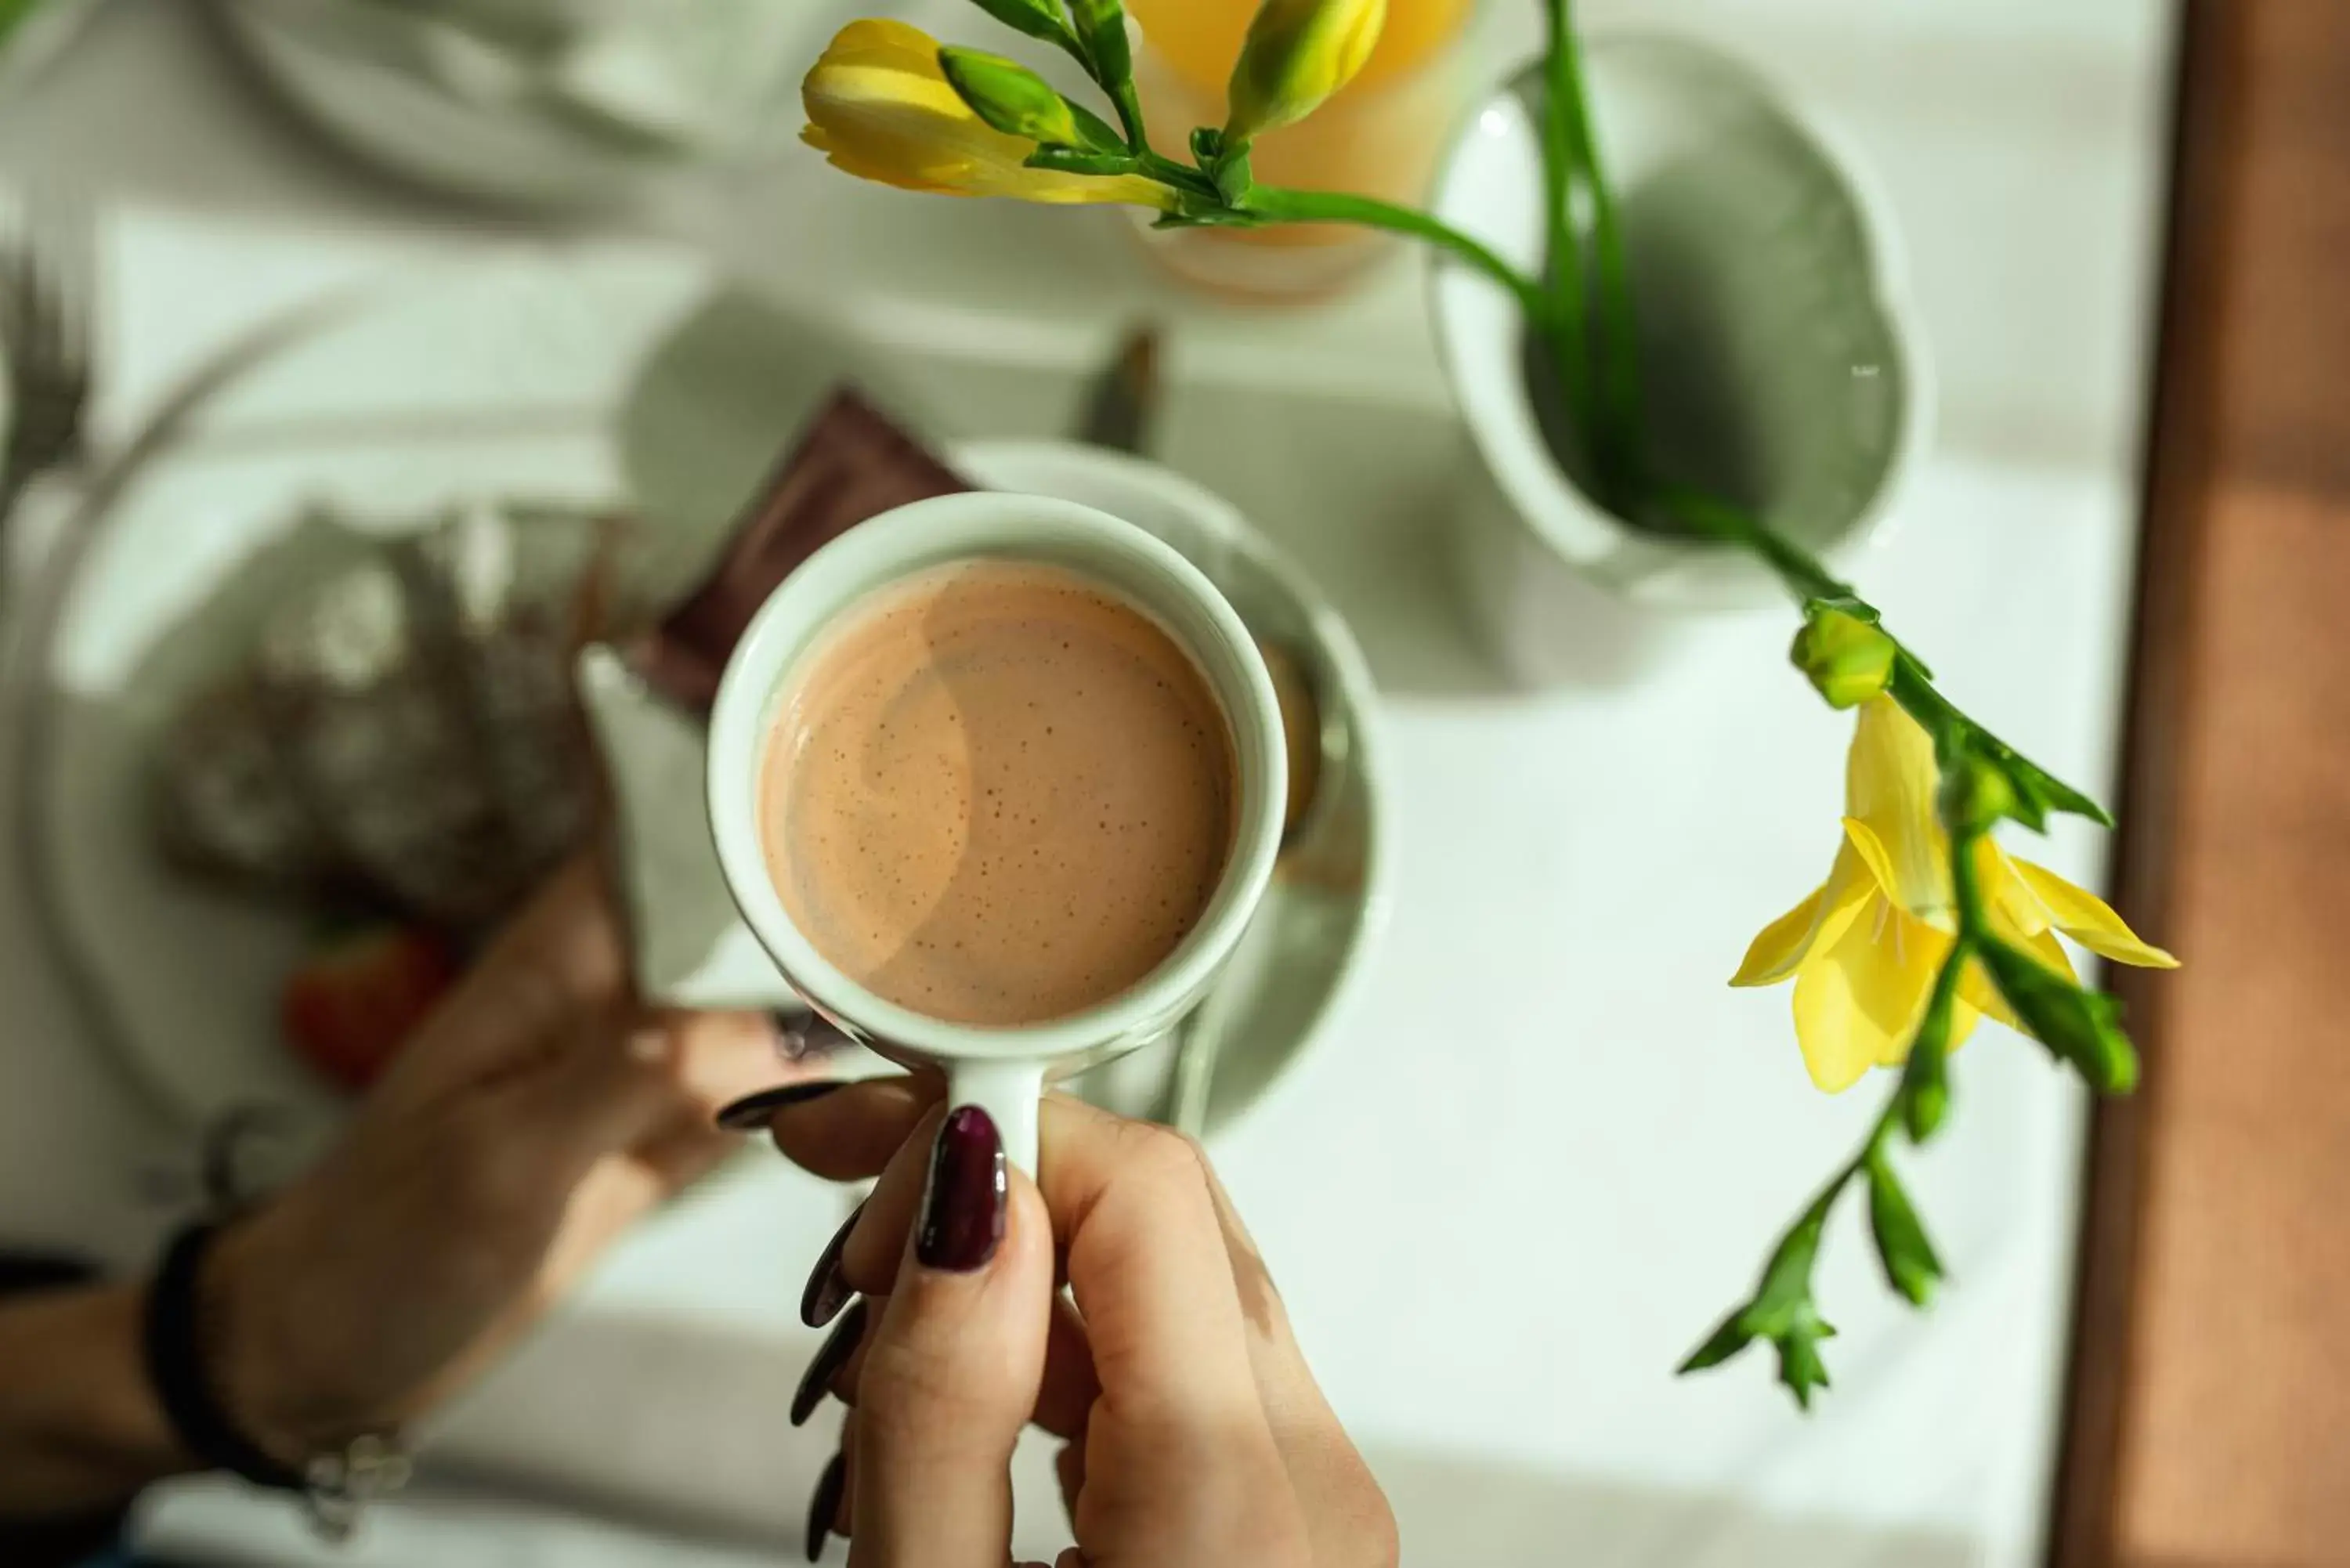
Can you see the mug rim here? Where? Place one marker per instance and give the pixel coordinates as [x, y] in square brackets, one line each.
[886, 549]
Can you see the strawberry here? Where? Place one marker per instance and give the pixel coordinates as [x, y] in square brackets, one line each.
[348, 1010]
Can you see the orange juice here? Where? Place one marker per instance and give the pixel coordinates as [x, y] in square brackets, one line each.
[1381, 137]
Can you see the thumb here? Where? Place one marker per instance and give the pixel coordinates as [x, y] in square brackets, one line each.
[952, 1371]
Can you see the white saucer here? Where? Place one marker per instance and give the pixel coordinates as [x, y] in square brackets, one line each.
[429, 101]
[40, 39]
[584, 378]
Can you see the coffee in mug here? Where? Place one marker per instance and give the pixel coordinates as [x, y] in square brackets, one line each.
[997, 792]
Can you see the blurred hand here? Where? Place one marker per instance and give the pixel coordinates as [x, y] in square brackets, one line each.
[536, 1114]
[1196, 1435]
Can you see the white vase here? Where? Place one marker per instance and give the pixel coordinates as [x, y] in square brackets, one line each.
[1784, 366]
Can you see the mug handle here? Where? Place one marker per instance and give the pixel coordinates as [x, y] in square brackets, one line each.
[1008, 1092]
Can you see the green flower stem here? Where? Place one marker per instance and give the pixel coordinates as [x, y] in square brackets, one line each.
[1618, 444]
[1128, 104]
[1167, 171]
[1913, 683]
[1570, 346]
[1275, 204]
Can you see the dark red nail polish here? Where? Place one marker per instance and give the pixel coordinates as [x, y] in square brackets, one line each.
[829, 1358]
[962, 1208]
[825, 1504]
[751, 1113]
[828, 1288]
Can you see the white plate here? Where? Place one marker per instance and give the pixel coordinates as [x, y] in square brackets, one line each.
[585, 379]
[362, 73]
[40, 39]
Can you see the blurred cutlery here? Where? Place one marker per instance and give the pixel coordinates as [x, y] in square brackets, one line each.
[47, 306]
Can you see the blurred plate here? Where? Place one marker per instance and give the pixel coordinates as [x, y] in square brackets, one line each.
[585, 379]
[499, 381]
[38, 39]
[433, 102]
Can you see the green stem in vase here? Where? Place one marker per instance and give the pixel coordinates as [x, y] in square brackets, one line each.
[1569, 342]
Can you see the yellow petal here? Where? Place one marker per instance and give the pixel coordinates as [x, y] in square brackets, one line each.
[1874, 856]
[1861, 1005]
[881, 108]
[1815, 923]
[2015, 914]
[1890, 783]
[1976, 994]
[2089, 920]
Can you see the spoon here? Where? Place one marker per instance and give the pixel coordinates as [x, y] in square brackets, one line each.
[1119, 413]
[1316, 749]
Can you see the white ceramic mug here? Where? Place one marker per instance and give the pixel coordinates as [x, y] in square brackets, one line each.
[1003, 1070]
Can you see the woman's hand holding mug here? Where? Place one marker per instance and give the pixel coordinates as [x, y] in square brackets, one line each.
[1196, 1435]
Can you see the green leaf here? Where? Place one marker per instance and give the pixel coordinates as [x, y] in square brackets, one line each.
[1723, 1343]
[1800, 1367]
[2081, 1026]
[1902, 1246]
[1037, 18]
[2053, 792]
[1094, 132]
[1207, 146]
[1786, 1293]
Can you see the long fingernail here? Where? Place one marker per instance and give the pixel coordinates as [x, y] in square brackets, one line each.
[830, 1357]
[962, 1209]
[750, 1113]
[828, 1288]
[825, 1504]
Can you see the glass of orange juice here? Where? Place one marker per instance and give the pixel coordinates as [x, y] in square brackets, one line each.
[1381, 137]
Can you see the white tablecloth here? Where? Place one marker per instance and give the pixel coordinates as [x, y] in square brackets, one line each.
[1546, 1146]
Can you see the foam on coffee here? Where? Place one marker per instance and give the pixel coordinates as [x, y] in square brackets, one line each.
[997, 794]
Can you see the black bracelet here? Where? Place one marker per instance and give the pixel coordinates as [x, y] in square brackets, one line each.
[177, 1363]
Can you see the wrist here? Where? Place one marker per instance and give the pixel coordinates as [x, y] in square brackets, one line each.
[80, 1423]
[249, 1292]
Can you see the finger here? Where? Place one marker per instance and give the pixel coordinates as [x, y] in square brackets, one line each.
[864, 1256]
[1064, 1399]
[558, 962]
[850, 1133]
[1148, 1265]
[1346, 1511]
[952, 1369]
[606, 1086]
[716, 1058]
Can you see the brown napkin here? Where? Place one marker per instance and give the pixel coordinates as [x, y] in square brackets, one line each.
[851, 463]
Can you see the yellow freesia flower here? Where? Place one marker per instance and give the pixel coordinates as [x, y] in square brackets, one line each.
[1298, 53]
[880, 107]
[1865, 947]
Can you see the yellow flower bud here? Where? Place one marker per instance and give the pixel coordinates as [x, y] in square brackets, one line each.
[1847, 658]
[1010, 96]
[879, 106]
[1298, 53]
